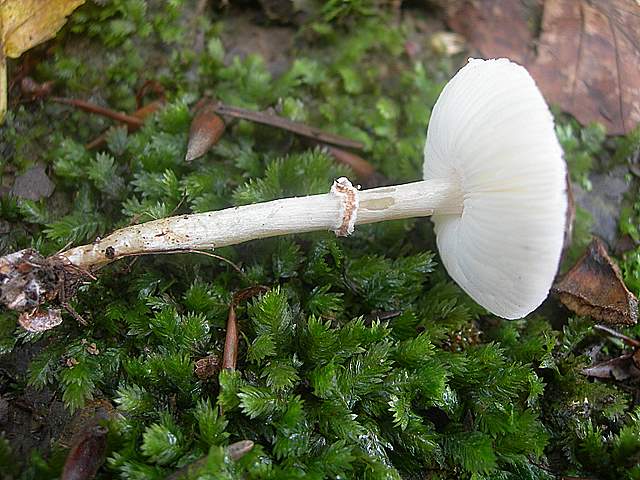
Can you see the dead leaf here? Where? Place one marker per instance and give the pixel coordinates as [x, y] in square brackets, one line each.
[497, 28]
[40, 320]
[594, 287]
[32, 90]
[206, 129]
[619, 368]
[25, 24]
[239, 449]
[207, 367]
[585, 59]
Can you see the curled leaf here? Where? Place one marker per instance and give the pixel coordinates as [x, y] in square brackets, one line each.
[594, 287]
[206, 129]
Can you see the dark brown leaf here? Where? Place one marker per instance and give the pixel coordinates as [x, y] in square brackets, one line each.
[206, 129]
[207, 367]
[586, 58]
[497, 28]
[594, 287]
[619, 368]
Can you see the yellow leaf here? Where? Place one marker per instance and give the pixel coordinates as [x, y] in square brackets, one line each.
[25, 24]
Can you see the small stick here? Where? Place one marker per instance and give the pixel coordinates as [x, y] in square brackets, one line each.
[142, 113]
[632, 342]
[129, 120]
[286, 124]
[365, 172]
[235, 451]
[193, 250]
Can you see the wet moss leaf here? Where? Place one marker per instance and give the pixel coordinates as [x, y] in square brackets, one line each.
[594, 287]
[25, 24]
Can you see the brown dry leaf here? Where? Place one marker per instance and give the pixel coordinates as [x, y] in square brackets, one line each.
[25, 24]
[594, 287]
[207, 367]
[586, 58]
[206, 129]
[497, 28]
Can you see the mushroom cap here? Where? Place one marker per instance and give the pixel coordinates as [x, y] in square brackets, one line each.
[492, 131]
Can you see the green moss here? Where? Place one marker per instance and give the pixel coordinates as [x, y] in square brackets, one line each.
[324, 388]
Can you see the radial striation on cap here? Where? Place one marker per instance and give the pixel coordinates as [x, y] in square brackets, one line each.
[492, 131]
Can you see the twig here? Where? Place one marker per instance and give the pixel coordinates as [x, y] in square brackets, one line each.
[130, 120]
[286, 124]
[191, 250]
[632, 342]
[142, 113]
[235, 451]
[360, 166]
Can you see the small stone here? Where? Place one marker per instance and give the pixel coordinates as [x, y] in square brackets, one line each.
[34, 184]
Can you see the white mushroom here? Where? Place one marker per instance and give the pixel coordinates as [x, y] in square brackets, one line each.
[492, 132]
[494, 181]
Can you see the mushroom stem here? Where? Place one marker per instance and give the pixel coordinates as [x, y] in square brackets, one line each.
[338, 210]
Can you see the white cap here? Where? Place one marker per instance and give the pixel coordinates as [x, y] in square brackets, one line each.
[492, 131]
